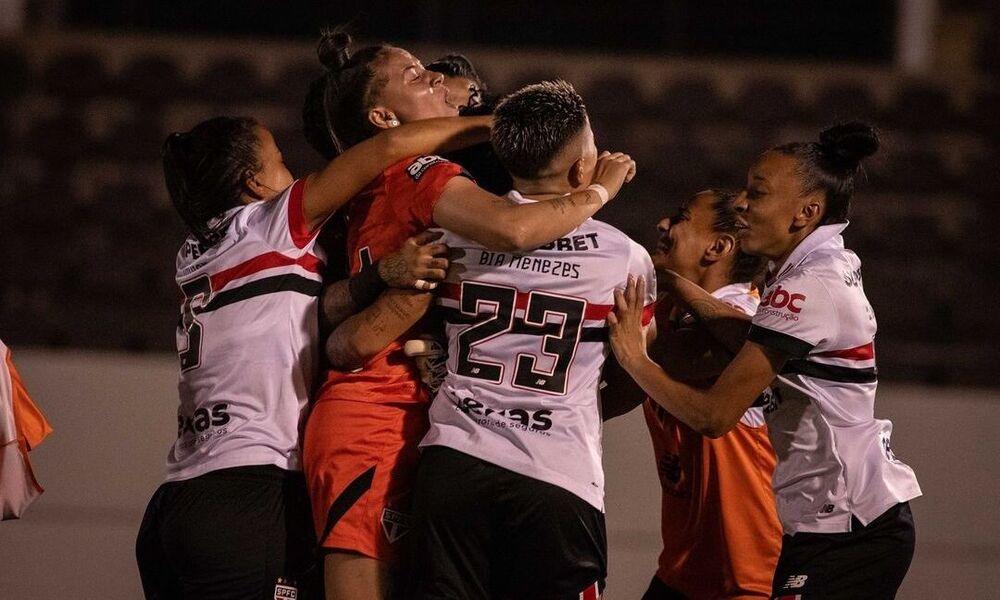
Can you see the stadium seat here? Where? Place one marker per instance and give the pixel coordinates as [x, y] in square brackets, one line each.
[767, 102]
[76, 74]
[230, 80]
[293, 81]
[922, 107]
[844, 100]
[16, 73]
[152, 78]
[691, 99]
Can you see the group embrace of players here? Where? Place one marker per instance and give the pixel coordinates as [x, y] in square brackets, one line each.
[394, 377]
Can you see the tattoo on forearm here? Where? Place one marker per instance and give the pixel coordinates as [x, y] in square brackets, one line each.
[337, 303]
[392, 269]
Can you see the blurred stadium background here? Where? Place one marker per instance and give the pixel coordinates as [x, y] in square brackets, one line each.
[693, 90]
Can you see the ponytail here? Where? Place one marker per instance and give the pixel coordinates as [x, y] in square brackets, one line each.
[205, 171]
[335, 113]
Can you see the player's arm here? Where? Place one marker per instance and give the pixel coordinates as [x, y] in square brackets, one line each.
[619, 392]
[346, 175]
[363, 335]
[711, 413]
[419, 262]
[499, 224]
[729, 326]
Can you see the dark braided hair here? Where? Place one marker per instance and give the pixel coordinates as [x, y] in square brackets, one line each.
[205, 170]
[832, 164]
[334, 116]
[745, 267]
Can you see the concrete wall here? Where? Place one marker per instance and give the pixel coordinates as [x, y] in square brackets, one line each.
[114, 416]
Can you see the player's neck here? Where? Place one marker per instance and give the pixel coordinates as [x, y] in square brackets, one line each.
[542, 189]
[714, 277]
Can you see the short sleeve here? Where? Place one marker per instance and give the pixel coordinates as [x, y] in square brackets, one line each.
[795, 315]
[283, 221]
[422, 182]
[641, 265]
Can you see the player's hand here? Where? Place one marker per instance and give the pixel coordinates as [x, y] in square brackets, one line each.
[628, 335]
[419, 264]
[613, 170]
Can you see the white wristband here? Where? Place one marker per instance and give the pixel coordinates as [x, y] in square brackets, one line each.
[601, 191]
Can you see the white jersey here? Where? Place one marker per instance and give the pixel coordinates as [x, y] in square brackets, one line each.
[744, 298]
[247, 340]
[527, 337]
[834, 456]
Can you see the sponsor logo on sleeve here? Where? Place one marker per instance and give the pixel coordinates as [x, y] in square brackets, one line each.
[418, 167]
[783, 304]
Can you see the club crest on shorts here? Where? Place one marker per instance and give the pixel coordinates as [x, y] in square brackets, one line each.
[394, 524]
[284, 590]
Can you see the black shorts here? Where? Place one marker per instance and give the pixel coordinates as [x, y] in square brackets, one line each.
[240, 533]
[867, 563]
[481, 531]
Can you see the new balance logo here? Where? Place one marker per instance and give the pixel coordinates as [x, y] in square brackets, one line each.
[796, 581]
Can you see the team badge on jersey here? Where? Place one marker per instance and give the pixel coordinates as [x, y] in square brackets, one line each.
[284, 590]
[394, 524]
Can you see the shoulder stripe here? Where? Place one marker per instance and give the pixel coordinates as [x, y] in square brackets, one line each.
[268, 260]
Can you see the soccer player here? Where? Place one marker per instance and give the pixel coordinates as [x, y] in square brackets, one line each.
[721, 535]
[842, 495]
[361, 437]
[510, 489]
[232, 519]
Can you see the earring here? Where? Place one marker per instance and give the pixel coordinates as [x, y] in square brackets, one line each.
[393, 123]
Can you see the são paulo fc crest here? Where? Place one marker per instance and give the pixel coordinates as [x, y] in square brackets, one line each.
[284, 590]
[394, 524]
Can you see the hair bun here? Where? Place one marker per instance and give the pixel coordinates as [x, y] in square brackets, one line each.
[847, 144]
[334, 48]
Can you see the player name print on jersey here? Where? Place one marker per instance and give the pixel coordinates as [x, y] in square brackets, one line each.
[527, 337]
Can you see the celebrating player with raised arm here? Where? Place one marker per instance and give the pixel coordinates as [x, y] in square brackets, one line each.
[842, 495]
[361, 438]
[232, 519]
[720, 532]
[510, 489]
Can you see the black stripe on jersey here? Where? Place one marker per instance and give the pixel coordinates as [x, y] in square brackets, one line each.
[289, 282]
[454, 316]
[830, 372]
[790, 345]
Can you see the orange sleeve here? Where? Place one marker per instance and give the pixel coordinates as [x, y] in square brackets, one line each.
[32, 426]
[422, 182]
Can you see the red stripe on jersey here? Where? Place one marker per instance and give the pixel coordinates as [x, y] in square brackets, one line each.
[866, 352]
[594, 312]
[269, 260]
[297, 226]
[591, 593]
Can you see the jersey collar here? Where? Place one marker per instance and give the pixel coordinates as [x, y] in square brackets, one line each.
[824, 236]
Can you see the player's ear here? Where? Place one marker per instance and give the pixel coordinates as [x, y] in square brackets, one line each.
[382, 117]
[577, 172]
[722, 246]
[254, 190]
[811, 211]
